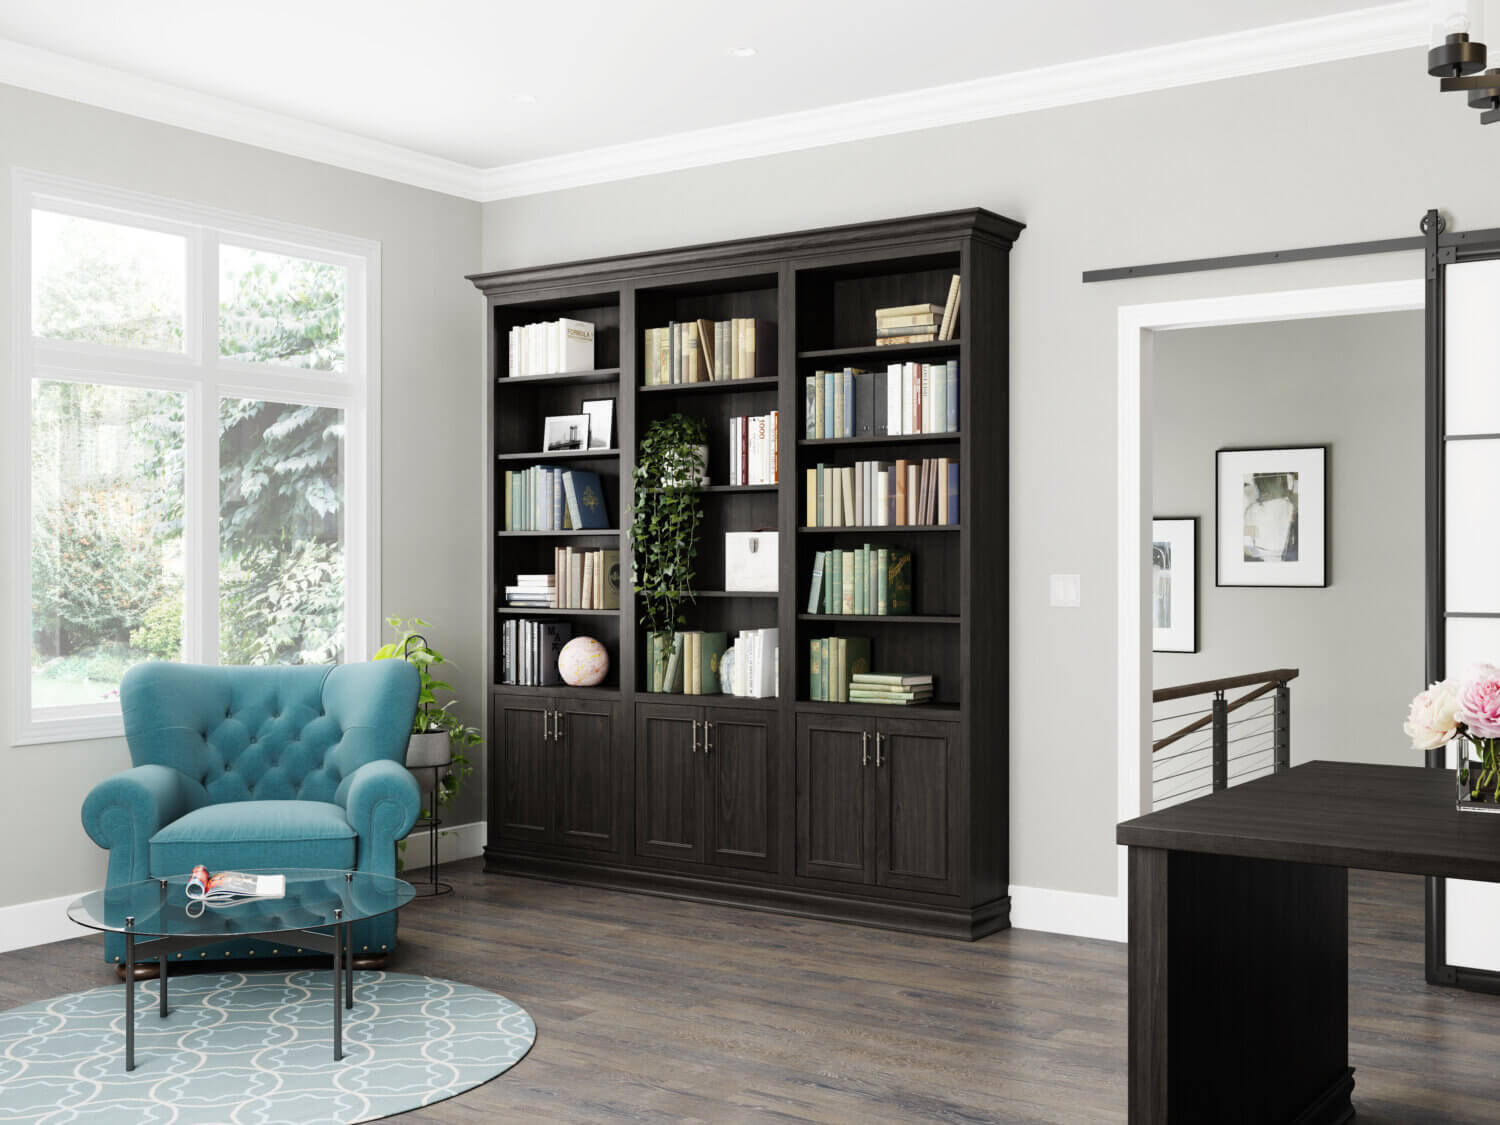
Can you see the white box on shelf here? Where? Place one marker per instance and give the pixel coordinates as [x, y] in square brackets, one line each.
[750, 560]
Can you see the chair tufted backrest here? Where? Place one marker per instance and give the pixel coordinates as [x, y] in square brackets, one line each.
[271, 733]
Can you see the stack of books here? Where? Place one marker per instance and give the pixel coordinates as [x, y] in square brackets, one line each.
[890, 687]
[883, 493]
[691, 666]
[833, 663]
[919, 324]
[707, 351]
[586, 579]
[905, 398]
[547, 498]
[755, 449]
[528, 651]
[538, 591]
[868, 580]
[552, 348]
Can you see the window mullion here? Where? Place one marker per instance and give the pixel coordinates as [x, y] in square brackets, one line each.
[203, 464]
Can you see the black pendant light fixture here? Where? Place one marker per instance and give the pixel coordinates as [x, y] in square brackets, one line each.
[1457, 56]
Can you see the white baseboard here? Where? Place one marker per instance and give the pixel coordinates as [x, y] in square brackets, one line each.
[458, 841]
[38, 923]
[1067, 912]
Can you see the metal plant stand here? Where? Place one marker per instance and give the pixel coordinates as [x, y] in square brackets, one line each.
[430, 824]
[428, 749]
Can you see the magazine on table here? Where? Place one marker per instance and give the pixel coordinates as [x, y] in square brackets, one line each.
[227, 888]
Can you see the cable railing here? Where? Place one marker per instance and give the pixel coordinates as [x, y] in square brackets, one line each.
[1223, 742]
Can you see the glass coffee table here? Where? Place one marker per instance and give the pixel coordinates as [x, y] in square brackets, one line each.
[157, 918]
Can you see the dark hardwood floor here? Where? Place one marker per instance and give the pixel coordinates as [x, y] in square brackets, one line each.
[651, 1009]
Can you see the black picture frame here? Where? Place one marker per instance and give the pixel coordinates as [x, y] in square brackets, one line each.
[1195, 583]
[1309, 532]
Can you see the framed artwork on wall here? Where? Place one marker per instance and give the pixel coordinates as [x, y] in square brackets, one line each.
[1174, 584]
[1272, 516]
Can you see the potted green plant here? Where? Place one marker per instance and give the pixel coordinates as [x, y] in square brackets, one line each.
[665, 524]
[439, 737]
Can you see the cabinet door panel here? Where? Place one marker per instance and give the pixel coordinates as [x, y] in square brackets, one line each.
[668, 784]
[588, 776]
[524, 786]
[914, 828]
[835, 813]
[738, 757]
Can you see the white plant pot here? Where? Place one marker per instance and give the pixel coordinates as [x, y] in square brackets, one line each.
[702, 481]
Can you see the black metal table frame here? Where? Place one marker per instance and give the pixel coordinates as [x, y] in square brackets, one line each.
[336, 943]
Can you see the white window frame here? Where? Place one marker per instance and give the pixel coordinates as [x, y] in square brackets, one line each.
[203, 378]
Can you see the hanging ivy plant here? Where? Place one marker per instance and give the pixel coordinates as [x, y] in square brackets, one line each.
[665, 520]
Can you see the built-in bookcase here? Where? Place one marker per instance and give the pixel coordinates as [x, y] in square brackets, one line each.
[891, 815]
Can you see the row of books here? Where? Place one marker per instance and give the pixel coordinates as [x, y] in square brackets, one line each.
[708, 351]
[528, 651]
[883, 493]
[755, 448]
[550, 348]
[580, 579]
[905, 398]
[548, 498]
[696, 662]
[867, 580]
[895, 688]
[919, 324]
[832, 663]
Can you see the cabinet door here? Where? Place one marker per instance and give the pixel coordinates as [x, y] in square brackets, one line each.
[668, 783]
[835, 809]
[524, 785]
[914, 790]
[737, 747]
[589, 776]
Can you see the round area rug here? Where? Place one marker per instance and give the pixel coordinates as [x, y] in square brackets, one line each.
[255, 1049]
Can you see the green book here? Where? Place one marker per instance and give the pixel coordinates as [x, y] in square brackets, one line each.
[900, 681]
[846, 578]
[711, 648]
[815, 670]
[899, 575]
[810, 413]
[815, 591]
[883, 581]
[672, 679]
[653, 661]
[859, 581]
[855, 660]
[822, 496]
[833, 584]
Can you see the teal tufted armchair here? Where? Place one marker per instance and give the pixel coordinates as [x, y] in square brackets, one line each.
[275, 767]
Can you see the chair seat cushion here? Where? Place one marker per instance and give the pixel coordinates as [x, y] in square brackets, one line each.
[242, 835]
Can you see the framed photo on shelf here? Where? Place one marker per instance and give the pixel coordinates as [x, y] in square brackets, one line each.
[1272, 516]
[565, 432]
[1174, 584]
[601, 415]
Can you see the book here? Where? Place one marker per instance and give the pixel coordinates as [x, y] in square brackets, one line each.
[815, 591]
[672, 676]
[918, 338]
[950, 312]
[224, 888]
[895, 698]
[904, 680]
[921, 328]
[929, 311]
[710, 654]
[585, 496]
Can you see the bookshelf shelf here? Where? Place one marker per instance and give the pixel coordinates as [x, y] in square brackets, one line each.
[885, 618]
[617, 785]
[882, 439]
[541, 611]
[600, 375]
[563, 455]
[870, 351]
[720, 386]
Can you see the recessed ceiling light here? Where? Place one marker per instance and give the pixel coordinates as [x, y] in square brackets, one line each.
[524, 99]
[742, 52]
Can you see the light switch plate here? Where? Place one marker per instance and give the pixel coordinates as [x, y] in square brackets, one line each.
[1066, 591]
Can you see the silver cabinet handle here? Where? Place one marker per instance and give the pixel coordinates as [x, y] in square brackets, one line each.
[879, 743]
[708, 735]
[546, 726]
[557, 726]
[864, 748]
[695, 736]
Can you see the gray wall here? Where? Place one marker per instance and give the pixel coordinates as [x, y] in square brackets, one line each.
[1354, 383]
[432, 425]
[1334, 153]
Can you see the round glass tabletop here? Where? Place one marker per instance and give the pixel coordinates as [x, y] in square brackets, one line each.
[161, 908]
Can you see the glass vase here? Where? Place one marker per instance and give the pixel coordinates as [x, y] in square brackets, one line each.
[1478, 775]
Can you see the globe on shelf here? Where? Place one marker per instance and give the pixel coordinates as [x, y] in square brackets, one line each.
[583, 662]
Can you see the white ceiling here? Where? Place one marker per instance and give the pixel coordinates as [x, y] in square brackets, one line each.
[442, 79]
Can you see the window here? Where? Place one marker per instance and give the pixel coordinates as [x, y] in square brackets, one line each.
[194, 401]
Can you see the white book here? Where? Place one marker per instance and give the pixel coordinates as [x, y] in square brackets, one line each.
[575, 345]
[939, 398]
[893, 399]
[512, 350]
[928, 413]
[905, 412]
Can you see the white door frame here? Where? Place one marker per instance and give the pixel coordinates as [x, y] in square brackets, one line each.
[1138, 324]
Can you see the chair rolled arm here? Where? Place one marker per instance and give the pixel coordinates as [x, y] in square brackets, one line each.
[123, 812]
[382, 801]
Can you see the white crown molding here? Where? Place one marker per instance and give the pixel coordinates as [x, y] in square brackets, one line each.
[1366, 31]
[48, 73]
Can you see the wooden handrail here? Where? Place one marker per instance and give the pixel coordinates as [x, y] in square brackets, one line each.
[1275, 676]
[1268, 681]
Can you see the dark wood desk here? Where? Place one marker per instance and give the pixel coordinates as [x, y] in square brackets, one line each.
[1239, 934]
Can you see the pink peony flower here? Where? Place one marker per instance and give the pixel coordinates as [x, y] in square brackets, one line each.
[1479, 701]
[1432, 719]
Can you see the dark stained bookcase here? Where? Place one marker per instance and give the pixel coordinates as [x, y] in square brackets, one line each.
[889, 816]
